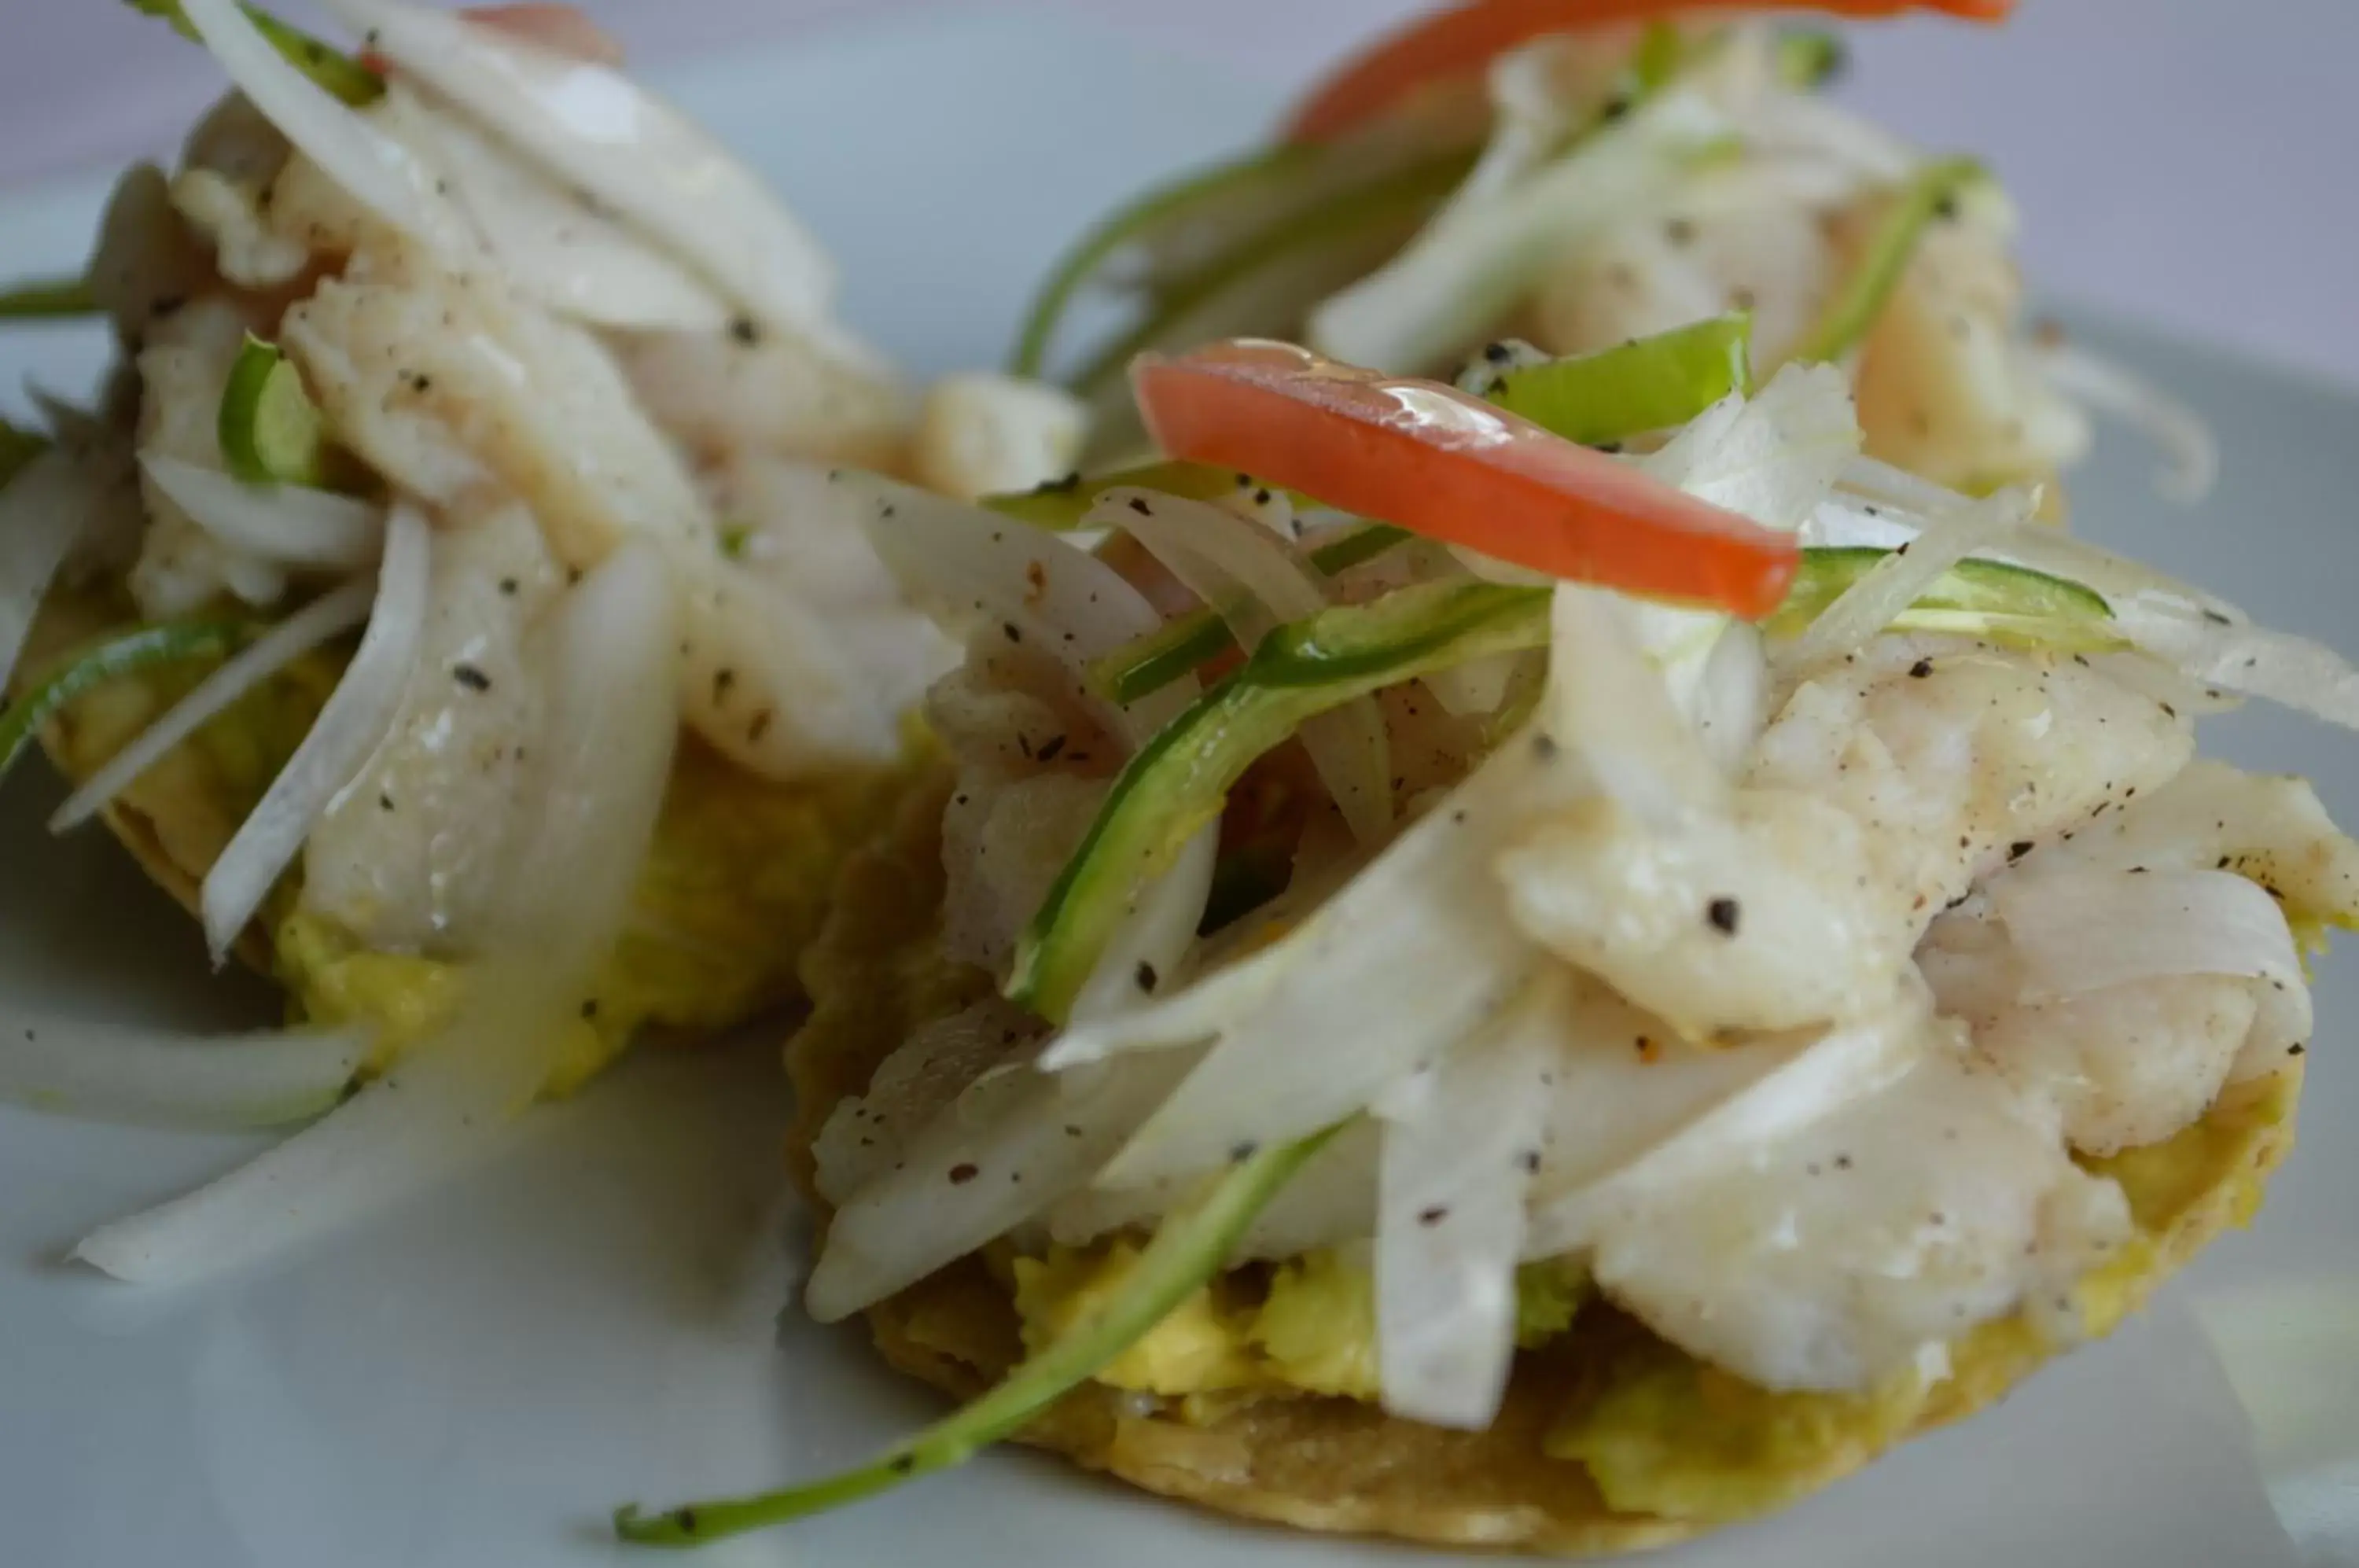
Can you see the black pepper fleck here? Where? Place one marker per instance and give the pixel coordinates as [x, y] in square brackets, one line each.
[1723, 914]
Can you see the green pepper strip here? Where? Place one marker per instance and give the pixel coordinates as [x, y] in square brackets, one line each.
[343, 76]
[1131, 223]
[18, 447]
[1809, 58]
[47, 299]
[1154, 661]
[1974, 598]
[106, 660]
[1651, 383]
[1408, 193]
[1181, 777]
[1648, 383]
[1189, 1249]
[1849, 315]
[270, 431]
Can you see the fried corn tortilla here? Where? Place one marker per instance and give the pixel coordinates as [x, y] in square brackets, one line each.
[735, 886]
[1610, 1439]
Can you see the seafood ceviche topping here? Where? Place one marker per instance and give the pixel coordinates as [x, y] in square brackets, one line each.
[1562, 175]
[1455, 907]
[445, 596]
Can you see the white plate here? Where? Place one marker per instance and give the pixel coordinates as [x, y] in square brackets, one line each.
[478, 1378]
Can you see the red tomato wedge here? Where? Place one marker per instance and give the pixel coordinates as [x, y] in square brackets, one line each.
[1439, 463]
[1468, 37]
[562, 29]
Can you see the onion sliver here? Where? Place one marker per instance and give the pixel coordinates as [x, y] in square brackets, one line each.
[599, 132]
[602, 765]
[2191, 456]
[1450, 1217]
[119, 1074]
[373, 169]
[41, 512]
[2078, 930]
[354, 719]
[292, 524]
[328, 615]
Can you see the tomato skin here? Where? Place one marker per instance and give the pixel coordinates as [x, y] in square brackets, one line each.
[1467, 37]
[1439, 463]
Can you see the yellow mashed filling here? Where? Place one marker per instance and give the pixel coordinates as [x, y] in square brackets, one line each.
[1307, 1326]
[734, 884]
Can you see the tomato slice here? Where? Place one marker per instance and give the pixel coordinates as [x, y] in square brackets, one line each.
[1467, 37]
[1439, 463]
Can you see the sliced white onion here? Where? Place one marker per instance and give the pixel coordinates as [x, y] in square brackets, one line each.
[2191, 455]
[1773, 458]
[2301, 674]
[600, 132]
[292, 524]
[1256, 583]
[563, 251]
[328, 615]
[41, 512]
[352, 722]
[119, 1074]
[1845, 1065]
[602, 765]
[1413, 955]
[1453, 283]
[1477, 687]
[1155, 936]
[960, 1183]
[370, 167]
[1450, 1218]
[2084, 930]
[1886, 589]
[1610, 701]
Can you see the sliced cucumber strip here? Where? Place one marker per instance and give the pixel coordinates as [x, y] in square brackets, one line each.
[339, 74]
[1189, 1249]
[1648, 383]
[1849, 316]
[109, 660]
[271, 432]
[1180, 780]
[48, 299]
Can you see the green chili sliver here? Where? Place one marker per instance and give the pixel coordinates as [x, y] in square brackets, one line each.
[1405, 194]
[1190, 1248]
[269, 430]
[1648, 383]
[1973, 598]
[1807, 58]
[1181, 777]
[48, 299]
[104, 661]
[339, 74]
[1134, 220]
[1848, 316]
[1061, 505]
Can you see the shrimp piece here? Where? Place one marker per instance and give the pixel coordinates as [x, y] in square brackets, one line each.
[227, 168]
[406, 858]
[762, 389]
[182, 373]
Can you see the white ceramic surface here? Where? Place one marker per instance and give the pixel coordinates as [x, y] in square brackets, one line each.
[474, 1382]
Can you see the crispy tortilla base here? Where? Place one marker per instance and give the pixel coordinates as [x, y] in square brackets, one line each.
[1337, 1464]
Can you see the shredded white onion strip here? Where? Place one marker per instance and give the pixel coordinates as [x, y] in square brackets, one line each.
[346, 733]
[1251, 580]
[595, 129]
[2304, 675]
[1450, 1217]
[328, 615]
[2191, 455]
[41, 513]
[565, 890]
[2078, 930]
[151, 1078]
[1886, 589]
[376, 170]
[292, 524]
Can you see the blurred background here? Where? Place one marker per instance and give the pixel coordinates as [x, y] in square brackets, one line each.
[2184, 161]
